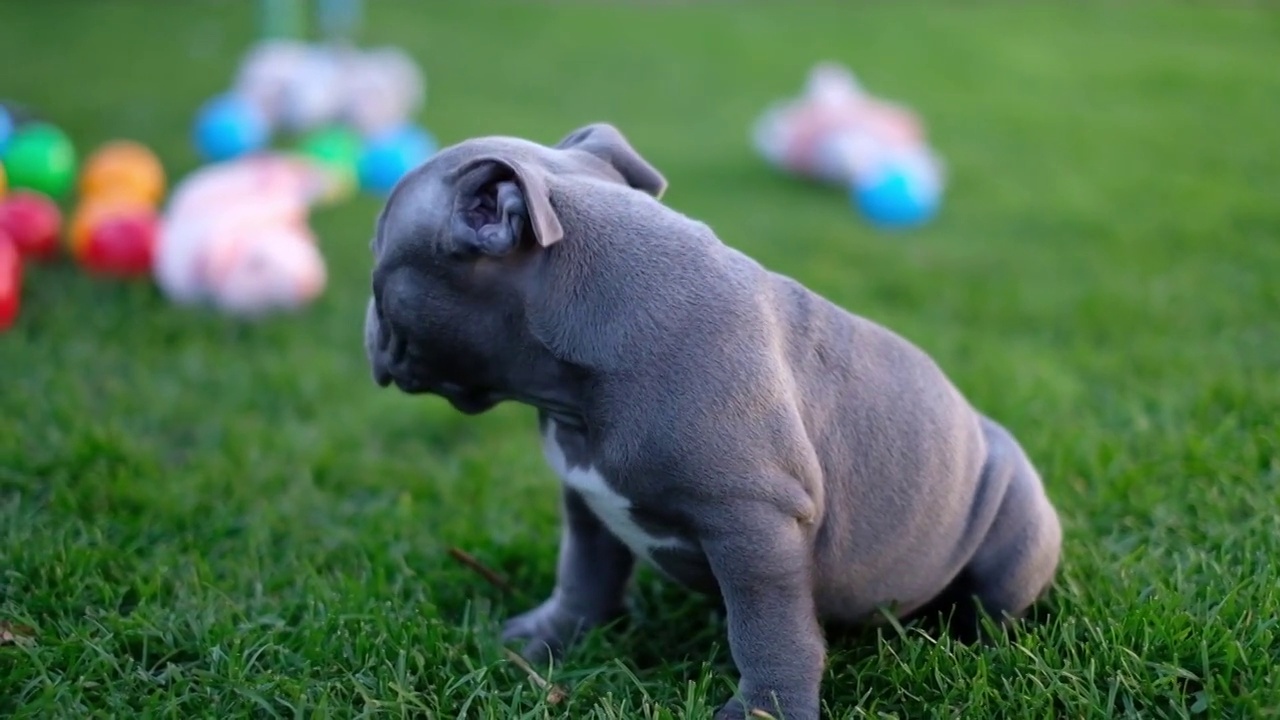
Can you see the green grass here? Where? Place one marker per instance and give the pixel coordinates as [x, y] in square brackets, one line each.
[205, 518]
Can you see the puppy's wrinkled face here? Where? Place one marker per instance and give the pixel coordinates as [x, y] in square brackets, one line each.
[435, 322]
[453, 246]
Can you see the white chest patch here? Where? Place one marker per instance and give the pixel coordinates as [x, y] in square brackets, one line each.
[611, 507]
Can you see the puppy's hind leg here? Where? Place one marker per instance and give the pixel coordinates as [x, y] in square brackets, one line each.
[1016, 562]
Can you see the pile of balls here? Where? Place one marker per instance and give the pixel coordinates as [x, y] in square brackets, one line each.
[112, 231]
[351, 110]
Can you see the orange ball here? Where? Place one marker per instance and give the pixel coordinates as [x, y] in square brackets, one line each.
[123, 168]
[93, 212]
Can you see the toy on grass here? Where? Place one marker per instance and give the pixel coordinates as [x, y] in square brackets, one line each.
[265, 76]
[7, 126]
[13, 116]
[313, 96]
[114, 227]
[33, 222]
[123, 168]
[229, 126]
[121, 244]
[298, 87]
[899, 195]
[10, 281]
[114, 235]
[287, 85]
[337, 150]
[389, 156]
[837, 133]
[235, 236]
[40, 157]
[384, 89]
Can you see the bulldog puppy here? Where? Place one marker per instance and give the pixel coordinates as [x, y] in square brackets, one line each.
[742, 434]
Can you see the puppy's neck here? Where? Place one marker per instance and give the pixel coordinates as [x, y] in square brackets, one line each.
[553, 387]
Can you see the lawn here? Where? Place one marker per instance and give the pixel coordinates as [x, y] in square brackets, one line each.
[205, 518]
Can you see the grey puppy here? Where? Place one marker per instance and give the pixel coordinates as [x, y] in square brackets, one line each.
[717, 420]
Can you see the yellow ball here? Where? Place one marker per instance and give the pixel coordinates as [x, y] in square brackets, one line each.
[125, 169]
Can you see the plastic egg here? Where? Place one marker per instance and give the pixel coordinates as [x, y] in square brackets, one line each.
[126, 169]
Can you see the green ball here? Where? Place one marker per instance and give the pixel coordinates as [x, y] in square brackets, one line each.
[41, 157]
[337, 150]
[336, 147]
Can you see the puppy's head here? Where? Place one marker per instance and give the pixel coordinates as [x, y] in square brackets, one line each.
[456, 240]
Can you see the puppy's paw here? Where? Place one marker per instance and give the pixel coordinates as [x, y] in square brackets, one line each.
[547, 631]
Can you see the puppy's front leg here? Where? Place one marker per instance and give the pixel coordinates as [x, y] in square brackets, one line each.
[761, 559]
[591, 580]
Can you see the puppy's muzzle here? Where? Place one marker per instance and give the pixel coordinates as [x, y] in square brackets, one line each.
[377, 344]
[386, 339]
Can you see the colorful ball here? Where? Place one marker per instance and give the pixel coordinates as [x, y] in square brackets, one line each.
[122, 244]
[898, 197]
[337, 150]
[7, 127]
[40, 157]
[387, 157]
[4, 181]
[93, 212]
[229, 126]
[10, 280]
[33, 222]
[126, 169]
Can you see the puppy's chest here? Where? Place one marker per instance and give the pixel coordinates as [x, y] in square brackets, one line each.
[637, 527]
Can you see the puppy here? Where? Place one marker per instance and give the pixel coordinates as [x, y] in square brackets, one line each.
[714, 419]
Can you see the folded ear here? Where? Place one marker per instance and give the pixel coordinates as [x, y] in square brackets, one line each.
[607, 143]
[498, 202]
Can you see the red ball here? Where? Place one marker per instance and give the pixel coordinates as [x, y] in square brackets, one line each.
[122, 245]
[10, 281]
[33, 222]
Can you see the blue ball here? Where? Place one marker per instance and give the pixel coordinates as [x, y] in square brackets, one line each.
[6, 128]
[898, 198]
[389, 156]
[229, 126]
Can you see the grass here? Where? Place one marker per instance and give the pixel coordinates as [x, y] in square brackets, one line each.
[203, 518]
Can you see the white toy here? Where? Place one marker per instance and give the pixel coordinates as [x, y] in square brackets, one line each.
[300, 86]
[835, 130]
[837, 133]
[235, 235]
[315, 94]
[266, 74]
[384, 90]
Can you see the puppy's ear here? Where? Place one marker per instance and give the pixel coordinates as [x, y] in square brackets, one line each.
[607, 143]
[500, 200]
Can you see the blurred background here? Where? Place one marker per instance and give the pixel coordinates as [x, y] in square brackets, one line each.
[202, 511]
